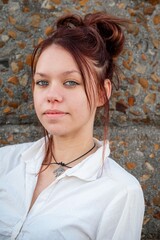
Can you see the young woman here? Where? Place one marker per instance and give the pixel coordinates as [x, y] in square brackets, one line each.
[65, 186]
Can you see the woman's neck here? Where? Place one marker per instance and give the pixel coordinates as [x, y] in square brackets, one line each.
[66, 150]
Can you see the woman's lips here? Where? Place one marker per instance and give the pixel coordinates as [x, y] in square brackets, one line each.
[54, 113]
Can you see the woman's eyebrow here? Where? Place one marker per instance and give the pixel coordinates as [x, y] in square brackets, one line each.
[70, 72]
[63, 73]
[41, 74]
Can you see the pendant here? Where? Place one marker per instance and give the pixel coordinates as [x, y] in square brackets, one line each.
[59, 171]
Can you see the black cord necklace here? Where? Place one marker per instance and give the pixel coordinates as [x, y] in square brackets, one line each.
[61, 169]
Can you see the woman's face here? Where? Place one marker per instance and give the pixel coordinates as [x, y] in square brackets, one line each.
[59, 97]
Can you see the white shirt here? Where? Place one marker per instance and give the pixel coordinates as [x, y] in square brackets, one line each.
[83, 203]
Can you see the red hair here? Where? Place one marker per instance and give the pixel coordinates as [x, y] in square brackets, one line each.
[95, 42]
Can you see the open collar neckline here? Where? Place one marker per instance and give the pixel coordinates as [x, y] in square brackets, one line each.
[88, 169]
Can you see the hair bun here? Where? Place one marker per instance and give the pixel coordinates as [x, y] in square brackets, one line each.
[109, 28]
[70, 21]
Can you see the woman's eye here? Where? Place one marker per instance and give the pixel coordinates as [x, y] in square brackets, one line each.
[71, 83]
[42, 83]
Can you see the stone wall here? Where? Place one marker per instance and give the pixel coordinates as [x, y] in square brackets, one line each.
[134, 109]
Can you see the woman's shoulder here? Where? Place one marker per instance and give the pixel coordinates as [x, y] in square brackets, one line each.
[10, 155]
[115, 172]
[120, 175]
[124, 185]
[16, 149]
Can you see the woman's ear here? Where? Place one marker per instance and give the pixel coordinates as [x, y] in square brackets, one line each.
[108, 87]
[103, 94]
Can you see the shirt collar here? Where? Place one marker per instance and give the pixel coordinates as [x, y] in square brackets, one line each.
[89, 169]
[34, 156]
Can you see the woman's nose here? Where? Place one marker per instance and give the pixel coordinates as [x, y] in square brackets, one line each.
[54, 94]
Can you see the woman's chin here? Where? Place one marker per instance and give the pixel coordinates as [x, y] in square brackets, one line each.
[57, 133]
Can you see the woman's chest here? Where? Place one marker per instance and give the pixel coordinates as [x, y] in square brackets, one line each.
[68, 207]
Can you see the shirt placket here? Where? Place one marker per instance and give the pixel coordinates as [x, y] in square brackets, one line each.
[30, 183]
[31, 180]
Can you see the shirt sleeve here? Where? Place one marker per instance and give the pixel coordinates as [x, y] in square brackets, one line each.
[123, 218]
[10, 156]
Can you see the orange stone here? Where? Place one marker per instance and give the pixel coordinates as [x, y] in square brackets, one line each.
[150, 98]
[126, 94]
[21, 28]
[138, 20]
[22, 45]
[126, 65]
[3, 142]
[150, 210]
[26, 9]
[14, 67]
[31, 106]
[156, 146]
[131, 12]
[123, 143]
[130, 165]
[157, 215]
[121, 5]
[144, 186]
[156, 43]
[13, 104]
[20, 65]
[152, 155]
[153, 87]
[155, 78]
[136, 113]
[148, 10]
[23, 116]
[133, 29]
[78, 7]
[116, 94]
[29, 59]
[83, 2]
[126, 153]
[12, 34]
[144, 57]
[143, 82]
[13, 80]
[12, 20]
[155, 187]
[153, 2]
[145, 109]
[130, 58]
[5, 1]
[156, 19]
[3, 103]
[56, 1]
[156, 201]
[9, 92]
[49, 30]
[131, 101]
[2, 44]
[40, 40]
[10, 138]
[1, 82]
[145, 177]
[36, 19]
[1, 30]
[7, 110]
[25, 96]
